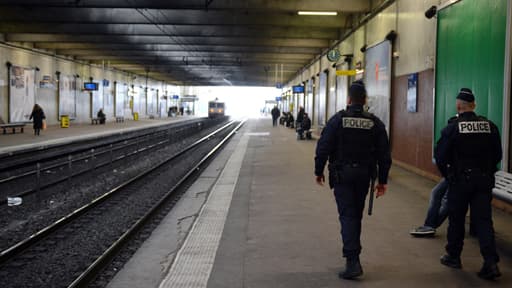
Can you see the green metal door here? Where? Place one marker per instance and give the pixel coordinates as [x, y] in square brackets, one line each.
[470, 53]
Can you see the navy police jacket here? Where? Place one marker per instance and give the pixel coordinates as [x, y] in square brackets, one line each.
[354, 135]
[468, 142]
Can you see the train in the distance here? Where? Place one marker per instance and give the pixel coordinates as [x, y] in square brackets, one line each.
[216, 109]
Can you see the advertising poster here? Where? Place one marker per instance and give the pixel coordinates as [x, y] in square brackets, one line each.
[412, 93]
[97, 101]
[136, 99]
[143, 98]
[377, 78]
[152, 102]
[309, 99]
[22, 93]
[121, 96]
[341, 89]
[67, 96]
[108, 98]
[322, 99]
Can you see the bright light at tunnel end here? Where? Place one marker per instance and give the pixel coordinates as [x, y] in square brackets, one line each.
[318, 13]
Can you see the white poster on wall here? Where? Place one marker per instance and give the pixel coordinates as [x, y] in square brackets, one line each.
[136, 99]
[22, 93]
[309, 99]
[143, 98]
[151, 104]
[341, 89]
[67, 96]
[322, 99]
[377, 77]
[108, 98]
[97, 101]
[121, 95]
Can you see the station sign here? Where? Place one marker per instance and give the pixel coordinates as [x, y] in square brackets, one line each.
[279, 99]
[175, 97]
[346, 72]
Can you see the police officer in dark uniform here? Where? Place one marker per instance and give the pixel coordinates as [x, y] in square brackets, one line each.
[355, 142]
[467, 154]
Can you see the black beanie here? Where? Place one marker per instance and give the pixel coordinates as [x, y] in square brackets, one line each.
[357, 90]
[466, 94]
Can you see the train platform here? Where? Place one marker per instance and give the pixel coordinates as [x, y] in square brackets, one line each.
[256, 218]
[55, 135]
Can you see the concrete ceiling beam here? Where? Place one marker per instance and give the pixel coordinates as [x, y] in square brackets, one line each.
[172, 17]
[249, 5]
[174, 30]
[116, 39]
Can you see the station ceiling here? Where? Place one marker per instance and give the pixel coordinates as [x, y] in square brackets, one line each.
[185, 42]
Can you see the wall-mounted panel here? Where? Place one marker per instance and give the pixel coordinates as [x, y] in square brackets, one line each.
[67, 96]
[120, 99]
[341, 89]
[22, 93]
[322, 99]
[377, 77]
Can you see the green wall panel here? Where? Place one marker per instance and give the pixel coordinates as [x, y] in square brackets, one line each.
[470, 53]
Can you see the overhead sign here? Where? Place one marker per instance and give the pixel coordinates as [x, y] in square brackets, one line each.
[298, 89]
[345, 72]
[175, 97]
[279, 85]
[279, 98]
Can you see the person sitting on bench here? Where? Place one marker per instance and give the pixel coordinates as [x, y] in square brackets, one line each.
[290, 120]
[101, 116]
[304, 127]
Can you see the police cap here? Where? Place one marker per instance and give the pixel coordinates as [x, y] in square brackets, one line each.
[466, 94]
[357, 90]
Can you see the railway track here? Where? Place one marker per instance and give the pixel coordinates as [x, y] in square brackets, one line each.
[21, 179]
[71, 251]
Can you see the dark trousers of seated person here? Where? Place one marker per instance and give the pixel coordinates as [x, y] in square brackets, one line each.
[350, 199]
[102, 120]
[475, 191]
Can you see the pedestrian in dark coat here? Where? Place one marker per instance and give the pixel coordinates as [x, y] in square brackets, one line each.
[275, 114]
[38, 117]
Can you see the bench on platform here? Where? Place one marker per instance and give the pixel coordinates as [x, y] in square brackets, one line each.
[119, 119]
[13, 127]
[95, 121]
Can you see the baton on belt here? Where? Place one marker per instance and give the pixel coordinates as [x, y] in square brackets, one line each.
[372, 191]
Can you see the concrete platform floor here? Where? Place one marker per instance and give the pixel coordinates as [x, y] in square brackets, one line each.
[282, 229]
[54, 134]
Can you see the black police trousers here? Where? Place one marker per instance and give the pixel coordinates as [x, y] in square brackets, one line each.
[473, 190]
[350, 198]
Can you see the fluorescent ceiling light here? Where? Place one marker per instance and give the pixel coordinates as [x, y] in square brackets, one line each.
[318, 13]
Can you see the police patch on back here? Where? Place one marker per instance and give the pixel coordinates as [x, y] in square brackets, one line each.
[467, 127]
[357, 123]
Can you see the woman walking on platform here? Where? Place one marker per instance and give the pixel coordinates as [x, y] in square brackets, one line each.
[38, 116]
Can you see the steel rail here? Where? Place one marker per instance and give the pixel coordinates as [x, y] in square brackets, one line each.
[178, 125]
[91, 272]
[17, 248]
[84, 171]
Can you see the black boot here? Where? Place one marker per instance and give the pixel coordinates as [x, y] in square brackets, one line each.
[489, 271]
[353, 269]
[451, 261]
